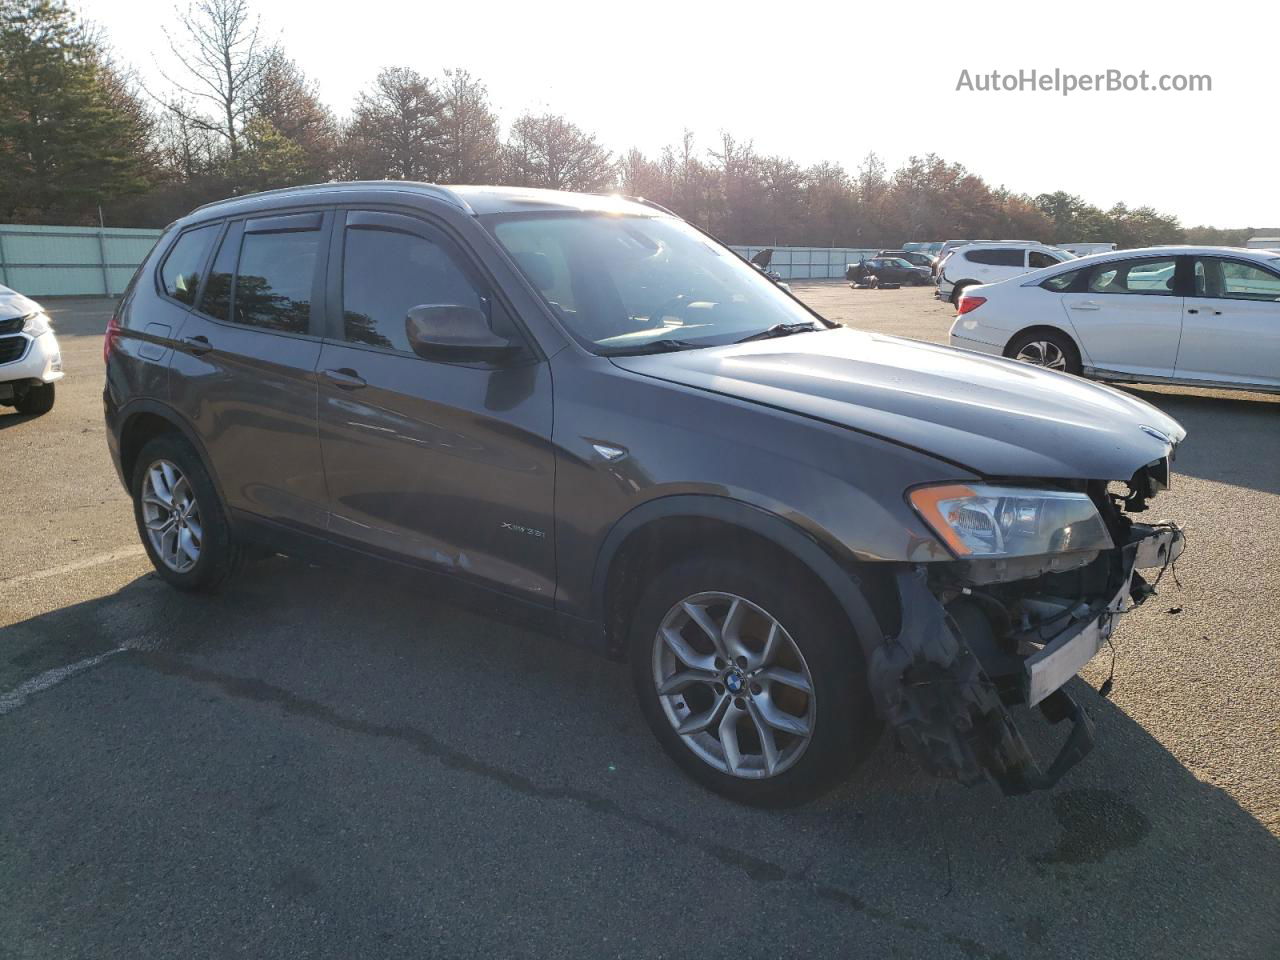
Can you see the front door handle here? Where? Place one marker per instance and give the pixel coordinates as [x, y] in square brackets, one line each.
[197, 346]
[345, 377]
[1192, 310]
[1086, 305]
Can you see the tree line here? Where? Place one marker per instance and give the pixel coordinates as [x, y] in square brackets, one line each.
[81, 137]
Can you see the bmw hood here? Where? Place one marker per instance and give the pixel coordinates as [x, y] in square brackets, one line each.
[995, 417]
[14, 304]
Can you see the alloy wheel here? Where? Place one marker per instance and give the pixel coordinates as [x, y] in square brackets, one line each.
[171, 516]
[1043, 353]
[734, 685]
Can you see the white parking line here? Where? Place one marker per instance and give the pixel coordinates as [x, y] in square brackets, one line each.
[18, 696]
[123, 553]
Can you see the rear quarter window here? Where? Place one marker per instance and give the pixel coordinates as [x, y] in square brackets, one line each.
[183, 266]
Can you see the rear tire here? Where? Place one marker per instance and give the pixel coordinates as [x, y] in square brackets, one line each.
[958, 291]
[1046, 348]
[815, 739]
[36, 400]
[180, 518]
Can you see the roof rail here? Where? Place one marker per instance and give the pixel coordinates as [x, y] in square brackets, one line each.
[444, 193]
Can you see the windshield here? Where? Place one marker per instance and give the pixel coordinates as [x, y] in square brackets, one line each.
[620, 283]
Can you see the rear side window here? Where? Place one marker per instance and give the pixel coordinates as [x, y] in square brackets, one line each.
[264, 279]
[1146, 277]
[385, 273]
[180, 274]
[996, 258]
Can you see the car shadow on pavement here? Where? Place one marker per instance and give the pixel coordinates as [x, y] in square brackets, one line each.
[1231, 438]
[1131, 855]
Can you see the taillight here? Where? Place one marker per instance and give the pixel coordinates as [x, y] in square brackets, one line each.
[969, 304]
[109, 339]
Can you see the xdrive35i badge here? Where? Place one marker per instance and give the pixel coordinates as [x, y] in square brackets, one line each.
[527, 531]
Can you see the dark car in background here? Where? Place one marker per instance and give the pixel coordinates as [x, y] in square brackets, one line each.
[585, 410]
[888, 270]
[915, 258]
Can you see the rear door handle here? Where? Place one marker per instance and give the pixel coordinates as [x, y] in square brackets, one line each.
[196, 346]
[1086, 305]
[345, 377]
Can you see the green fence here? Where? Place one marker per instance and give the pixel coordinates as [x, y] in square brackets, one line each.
[71, 261]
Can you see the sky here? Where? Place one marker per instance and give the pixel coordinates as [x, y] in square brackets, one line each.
[832, 81]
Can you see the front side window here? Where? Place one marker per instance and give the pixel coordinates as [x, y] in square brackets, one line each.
[180, 274]
[1234, 280]
[1147, 277]
[385, 273]
[620, 282]
[1037, 259]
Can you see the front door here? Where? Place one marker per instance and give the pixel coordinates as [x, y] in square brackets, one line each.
[1231, 327]
[449, 464]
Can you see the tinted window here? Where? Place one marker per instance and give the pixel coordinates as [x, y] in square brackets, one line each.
[996, 258]
[216, 301]
[1150, 277]
[1061, 282]
[1233, 280]
[1036, 259]
[385, 273]
[180, 274]
[273, 280]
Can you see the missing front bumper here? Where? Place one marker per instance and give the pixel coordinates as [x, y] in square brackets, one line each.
[938, 695]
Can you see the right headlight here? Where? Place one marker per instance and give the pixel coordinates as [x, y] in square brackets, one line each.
[979, 520]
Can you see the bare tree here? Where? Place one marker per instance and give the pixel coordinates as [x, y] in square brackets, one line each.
[549, 151]
[394, 130]
[223, 59]
[470, 151]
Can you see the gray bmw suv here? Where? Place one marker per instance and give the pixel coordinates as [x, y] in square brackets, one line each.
[587, 409]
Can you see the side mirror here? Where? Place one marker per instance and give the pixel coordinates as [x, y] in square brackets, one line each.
[456, 333]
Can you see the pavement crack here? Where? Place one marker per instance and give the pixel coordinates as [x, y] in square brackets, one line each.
[756, 868]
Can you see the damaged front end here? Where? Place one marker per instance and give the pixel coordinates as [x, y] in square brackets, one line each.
[995, 628]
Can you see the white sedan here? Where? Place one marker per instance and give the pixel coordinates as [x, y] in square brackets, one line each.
[30, 361]
[1203, 316]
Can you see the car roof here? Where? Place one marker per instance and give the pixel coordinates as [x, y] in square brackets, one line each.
[1173, 250]
[473, 200]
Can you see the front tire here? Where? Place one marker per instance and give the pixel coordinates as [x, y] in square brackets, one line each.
[36, 400]
[180, 517]
[752, 681]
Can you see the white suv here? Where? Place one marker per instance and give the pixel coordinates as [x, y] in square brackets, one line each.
[30, 361]
[990, 262]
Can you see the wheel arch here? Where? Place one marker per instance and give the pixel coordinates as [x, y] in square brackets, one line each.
[142, 421]
[1042, 328]
[661, 530]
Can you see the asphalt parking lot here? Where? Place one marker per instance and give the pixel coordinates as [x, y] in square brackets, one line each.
[315, 763]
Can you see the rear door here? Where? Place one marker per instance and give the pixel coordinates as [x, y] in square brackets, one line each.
[1231, 326]
[1127, 315]
[446, 463]
[243, 372]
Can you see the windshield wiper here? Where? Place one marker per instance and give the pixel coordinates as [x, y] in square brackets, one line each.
[782, 330]
[665, 345]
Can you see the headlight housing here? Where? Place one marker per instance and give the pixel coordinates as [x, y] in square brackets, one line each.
[36, 323]
[980, 520]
